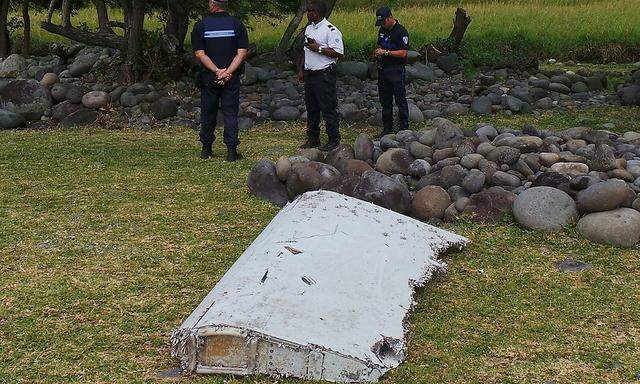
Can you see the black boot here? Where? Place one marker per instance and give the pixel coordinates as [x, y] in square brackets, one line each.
[206, 151]
[331, 144]
[233, 155]
[311, 143]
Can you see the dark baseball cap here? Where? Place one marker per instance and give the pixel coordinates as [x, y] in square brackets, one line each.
[382, 14]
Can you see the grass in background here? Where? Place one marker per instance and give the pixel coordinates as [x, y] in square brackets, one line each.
[599, 31]
[109, 239]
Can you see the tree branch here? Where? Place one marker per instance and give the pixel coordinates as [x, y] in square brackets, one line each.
[92, 38]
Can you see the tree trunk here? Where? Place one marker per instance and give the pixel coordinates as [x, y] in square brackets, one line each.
[103, 16]
[66, 13]
[177, 23]
[134, 40]
[5, 39]
[52, 8]
[460, 24]
[26, 37]
[285, 42]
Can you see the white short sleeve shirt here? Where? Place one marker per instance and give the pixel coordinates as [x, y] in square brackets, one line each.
[328, 36]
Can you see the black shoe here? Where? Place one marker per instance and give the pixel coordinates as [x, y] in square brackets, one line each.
[206, 152]
[233, 155]
[383, 134]
[331, 144]
[310, 143]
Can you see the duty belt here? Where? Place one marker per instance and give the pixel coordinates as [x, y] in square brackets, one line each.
[330, 68]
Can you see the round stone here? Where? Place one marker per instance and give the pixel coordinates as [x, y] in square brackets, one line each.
[49, 79]
[545, 209]
[430, 203]
[620, 227]
[95, 99]
[605, 196]
[395, 160]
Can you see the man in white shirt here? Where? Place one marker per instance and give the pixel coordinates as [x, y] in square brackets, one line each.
[323, 48]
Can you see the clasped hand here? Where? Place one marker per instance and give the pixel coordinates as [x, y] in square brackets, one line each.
[379, 52]
[223, 76]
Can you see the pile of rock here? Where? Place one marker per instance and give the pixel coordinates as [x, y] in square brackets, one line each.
[629, 94]
[44, 89]
[547, 179]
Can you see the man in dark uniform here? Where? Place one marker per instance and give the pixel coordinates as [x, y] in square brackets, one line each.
[220, 42]
[393, 47]
[323, 48]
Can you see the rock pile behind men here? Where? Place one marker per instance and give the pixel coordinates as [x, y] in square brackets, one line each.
[548, 180]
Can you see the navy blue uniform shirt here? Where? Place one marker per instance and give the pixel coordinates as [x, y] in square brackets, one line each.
[220, 35]
[395, 39]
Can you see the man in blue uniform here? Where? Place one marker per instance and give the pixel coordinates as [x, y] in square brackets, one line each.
[323, 47]
[393, 47]
[220, 43]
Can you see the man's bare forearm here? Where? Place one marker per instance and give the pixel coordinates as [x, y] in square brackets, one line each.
[330, 52]
[206, 61]
[402, 54]
[237, 60]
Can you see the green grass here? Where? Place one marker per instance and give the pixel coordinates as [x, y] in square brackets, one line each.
[597, 31]
[109, 239]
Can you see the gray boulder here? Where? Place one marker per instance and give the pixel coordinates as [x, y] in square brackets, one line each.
[263, 182]
[605, 196]
[12, 66]
[559, 87]
[420, 71]
[629, 95]
[10, 120]
[59, 92]
[129, 99]
[26, 97]
[419, 150]
[474, 181]
[80, 118]
[481, 105]
[545, 209]
[363, 147]
[352, 68]
[384, 191]
[286, 113]
[448, 63]
[164, 108]
[620, 227]
[447, 133]
[95, 99]
[415, 114]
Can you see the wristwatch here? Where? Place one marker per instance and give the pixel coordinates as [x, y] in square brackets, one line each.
[320, 50]
[386, 53]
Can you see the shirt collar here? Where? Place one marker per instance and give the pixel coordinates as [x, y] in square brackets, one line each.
[221, 13]
[320, 23]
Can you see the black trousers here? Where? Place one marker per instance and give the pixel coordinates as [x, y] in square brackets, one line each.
[320, 97]
[391, 85]
[213, 97]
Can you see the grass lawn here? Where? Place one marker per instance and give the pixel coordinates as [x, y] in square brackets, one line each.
[582, 30]
[109, 239]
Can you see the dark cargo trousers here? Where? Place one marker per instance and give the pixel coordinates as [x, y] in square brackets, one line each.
[391, 85]
[213, 98]
[321, 98]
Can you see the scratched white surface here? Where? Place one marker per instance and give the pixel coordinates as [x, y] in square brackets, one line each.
[331, 271]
